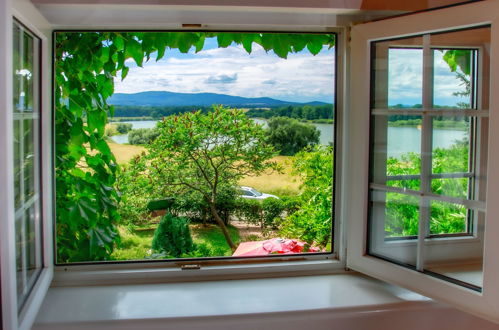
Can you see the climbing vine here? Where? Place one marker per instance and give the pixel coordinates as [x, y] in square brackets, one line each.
[86, 64]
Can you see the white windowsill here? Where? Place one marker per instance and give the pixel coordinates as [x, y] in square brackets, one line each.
[79, 305]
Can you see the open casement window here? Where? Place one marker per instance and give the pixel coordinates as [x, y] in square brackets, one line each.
[25, 238]
[423, 111]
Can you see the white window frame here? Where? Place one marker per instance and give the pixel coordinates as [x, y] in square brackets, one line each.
[25, 13]
[486, 303]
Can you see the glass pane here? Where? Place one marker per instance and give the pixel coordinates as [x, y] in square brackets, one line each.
[458, 59]
[26, 167]
[16, 61]
[398, 73]
[405, 78]
[17, 163]
[447, 218]
[452, 187]
[452, 87]
[29, 159]
[393, 221]
[457, 258]
[396, 151]
[20, 278]
[27, 73]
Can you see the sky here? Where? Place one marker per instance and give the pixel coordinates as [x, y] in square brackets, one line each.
[301, 77]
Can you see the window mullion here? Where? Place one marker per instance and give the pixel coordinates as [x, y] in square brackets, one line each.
[426, 154]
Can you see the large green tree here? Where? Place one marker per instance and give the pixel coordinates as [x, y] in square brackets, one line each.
[204, 153]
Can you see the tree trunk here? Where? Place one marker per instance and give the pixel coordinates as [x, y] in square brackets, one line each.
[222, 226]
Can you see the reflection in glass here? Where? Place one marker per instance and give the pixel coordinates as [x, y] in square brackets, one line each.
[452, 83]
[394, 218]
[427, 211]
[26, 167]
[405, 78]
[447, 218]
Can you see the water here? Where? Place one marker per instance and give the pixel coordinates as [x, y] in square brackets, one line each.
[400, 139]
[136, 124]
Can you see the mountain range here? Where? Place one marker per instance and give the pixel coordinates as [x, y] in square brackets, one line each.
[163, 98]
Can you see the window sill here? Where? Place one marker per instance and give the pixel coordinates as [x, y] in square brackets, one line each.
[273, 303]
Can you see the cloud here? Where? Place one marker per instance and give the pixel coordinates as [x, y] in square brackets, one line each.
[301, 78]
[221, 79]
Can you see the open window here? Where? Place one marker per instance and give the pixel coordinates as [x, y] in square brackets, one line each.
[428, 165]
[26, 260]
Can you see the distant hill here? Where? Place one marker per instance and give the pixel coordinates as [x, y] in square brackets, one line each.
[158, 99]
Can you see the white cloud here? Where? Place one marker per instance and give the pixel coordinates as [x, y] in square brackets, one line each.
[301, 77]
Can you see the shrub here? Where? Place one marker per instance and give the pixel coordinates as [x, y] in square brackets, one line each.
[173, 236]
[142, 136]
[266, 213]
[123, 128]
[289, 136]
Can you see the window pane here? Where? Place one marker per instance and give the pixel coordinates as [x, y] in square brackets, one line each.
[405, 74]
[396, 151]
[394, 219]
[447, 218]
[460, 257]
[29, 159]
[26, 165]
[398, 70]
[452, 87]
[17, 163]
[251, 178]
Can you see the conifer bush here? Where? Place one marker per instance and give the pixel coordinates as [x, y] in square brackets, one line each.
[173, 236]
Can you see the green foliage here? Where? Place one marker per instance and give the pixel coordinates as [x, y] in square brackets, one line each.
[312, 220]
[402, 212]
[173, 236]
[123, 128]
[313, 113]
[159, 111]
[142, 136]
[267, 213]
[289, 136]
[85, 168]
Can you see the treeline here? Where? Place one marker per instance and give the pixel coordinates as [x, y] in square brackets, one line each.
[154, 112]
[305, 112]
[450, 122]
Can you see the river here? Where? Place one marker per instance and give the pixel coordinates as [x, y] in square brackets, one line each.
[400, 139]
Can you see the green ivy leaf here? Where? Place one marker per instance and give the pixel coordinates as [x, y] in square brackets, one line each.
[134, 49]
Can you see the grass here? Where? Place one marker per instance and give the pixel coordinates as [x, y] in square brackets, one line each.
[280, 184]
[211, 236]
[136, 243]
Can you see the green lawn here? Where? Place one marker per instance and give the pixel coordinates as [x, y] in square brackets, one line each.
[136, 243]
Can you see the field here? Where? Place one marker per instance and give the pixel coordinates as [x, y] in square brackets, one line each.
[284, 183]
[125, 152]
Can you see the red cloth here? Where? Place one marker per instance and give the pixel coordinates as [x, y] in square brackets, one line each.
[272, 246]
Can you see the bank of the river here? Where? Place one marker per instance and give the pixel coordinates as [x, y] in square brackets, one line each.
[401, 139]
